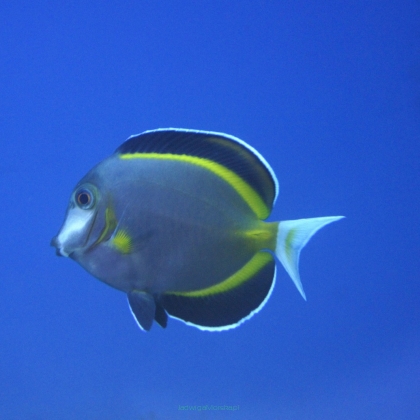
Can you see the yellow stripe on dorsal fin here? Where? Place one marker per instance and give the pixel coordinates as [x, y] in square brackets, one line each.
[248, 194]
[228, 157]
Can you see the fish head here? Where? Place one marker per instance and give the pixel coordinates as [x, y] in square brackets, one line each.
[85, 222]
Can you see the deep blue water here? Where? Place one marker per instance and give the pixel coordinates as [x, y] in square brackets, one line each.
[328, 92]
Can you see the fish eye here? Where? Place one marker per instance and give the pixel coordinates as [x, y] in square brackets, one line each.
[84, 199]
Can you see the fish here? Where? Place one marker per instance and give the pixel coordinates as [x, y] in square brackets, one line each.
[177, 220]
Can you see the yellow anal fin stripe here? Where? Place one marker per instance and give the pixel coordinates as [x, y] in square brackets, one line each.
[252, 267]
[248, 194]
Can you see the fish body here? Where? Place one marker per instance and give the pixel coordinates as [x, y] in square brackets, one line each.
[175, 219]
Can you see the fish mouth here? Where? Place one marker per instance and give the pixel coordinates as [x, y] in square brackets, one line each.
[58, 248]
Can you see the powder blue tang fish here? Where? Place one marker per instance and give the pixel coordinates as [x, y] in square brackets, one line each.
[175, 219]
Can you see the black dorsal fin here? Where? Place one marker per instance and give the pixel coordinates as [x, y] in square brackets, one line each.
[228, 151]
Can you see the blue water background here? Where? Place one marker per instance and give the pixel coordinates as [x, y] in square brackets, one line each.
[328, 92]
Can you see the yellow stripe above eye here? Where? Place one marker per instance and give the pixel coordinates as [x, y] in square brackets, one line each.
[249, 195]
[250, 269]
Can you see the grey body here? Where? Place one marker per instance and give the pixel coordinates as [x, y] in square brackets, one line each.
[186, 224]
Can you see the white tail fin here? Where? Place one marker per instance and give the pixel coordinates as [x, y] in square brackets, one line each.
[292, 236]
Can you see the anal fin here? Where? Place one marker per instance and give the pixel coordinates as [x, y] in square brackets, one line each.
[228, 304]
